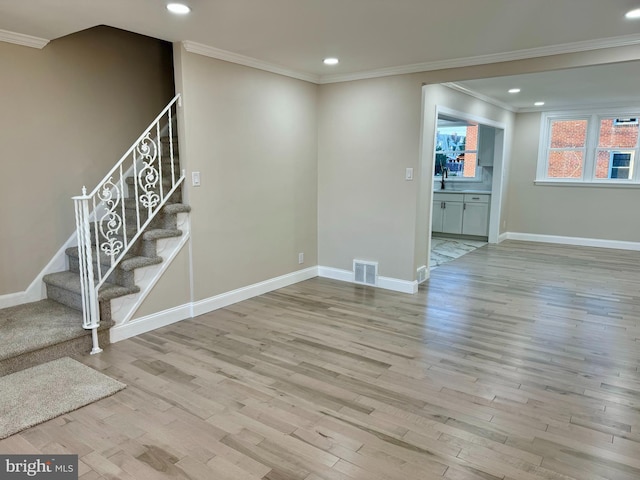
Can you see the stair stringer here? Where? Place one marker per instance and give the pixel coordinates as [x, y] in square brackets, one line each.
[124, 308]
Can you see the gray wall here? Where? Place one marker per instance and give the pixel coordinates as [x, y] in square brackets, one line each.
[286, 166]
[369, 132]
[253, 137]
[70, 111]
[587, 212]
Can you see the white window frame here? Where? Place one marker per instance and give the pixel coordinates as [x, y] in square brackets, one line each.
[590, 149]
[632, 162]
[478, 176]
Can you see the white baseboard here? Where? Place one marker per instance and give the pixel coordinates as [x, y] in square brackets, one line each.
[336, 274]
[12, 299]
[37, 290]
[577, 241]
[502, 237]
[229, 298]
[395, 284]
[149, 322]
[189, 310]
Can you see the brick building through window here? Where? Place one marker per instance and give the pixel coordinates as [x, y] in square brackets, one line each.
[601, 147]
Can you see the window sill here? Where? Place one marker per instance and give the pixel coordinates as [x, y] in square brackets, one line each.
[561, 183]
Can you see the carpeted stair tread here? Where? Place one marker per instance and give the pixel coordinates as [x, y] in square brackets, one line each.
[130, 204]
[128, 263]
[132, 229]
[73, 252]
[71, 281]
[166, 177]
[172, 208]
[138, 261]
[37, 325]
[158, 233]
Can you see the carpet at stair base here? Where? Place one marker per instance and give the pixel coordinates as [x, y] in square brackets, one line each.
[40, 393]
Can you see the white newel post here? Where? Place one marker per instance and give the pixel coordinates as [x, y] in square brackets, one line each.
[90, 309]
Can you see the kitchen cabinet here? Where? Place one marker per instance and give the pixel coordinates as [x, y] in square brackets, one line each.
[448, 209]
[460, 213]
[475, 219]
[486, 145]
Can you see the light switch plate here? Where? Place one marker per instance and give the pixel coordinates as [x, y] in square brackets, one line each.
[195, 179]
[408, 174]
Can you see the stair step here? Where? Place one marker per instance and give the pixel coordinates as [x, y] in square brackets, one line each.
[70, 282]
[131, 226]
[166, 176]
[158, 233]
[128, 263]
[130, 204]
[138, 261]
[42, 331]
[173, 208]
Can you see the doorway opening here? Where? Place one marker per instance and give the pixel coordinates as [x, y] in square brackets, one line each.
[466, 184]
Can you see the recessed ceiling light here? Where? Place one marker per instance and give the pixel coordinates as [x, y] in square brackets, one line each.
[539, 104]
[178, 8]
[514, 90]
[331, 61]
[633, 14]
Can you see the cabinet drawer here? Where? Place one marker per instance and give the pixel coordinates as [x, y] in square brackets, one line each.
[476, 198]
[448, 197]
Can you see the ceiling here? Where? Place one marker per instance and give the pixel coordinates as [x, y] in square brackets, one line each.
[367, 35]
[611, 85]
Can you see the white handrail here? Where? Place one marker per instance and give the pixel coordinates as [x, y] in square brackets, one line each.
[105, 210]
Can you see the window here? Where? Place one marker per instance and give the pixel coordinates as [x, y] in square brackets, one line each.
[589, 148]
[456, 150]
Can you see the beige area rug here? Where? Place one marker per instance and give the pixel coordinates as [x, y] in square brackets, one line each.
[40, 393]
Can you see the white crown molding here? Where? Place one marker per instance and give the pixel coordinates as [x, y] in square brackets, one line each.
[574, 47]
[564, 48]
[480, 96]
[563, 108]
[608, 106]
[207, 51]
[22, 39]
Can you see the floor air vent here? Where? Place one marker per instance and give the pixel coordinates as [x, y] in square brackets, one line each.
[365, 272]
[422, 274]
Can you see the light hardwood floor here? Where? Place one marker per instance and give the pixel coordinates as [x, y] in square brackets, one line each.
[518, 361]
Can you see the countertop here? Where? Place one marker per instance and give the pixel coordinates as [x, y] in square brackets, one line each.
[484, 192]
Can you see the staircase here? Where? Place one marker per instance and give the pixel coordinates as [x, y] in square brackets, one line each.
[38, 332]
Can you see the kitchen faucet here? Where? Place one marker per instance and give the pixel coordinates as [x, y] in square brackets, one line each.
[445, 174]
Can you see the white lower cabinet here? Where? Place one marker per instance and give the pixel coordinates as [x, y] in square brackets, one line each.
[447, 212]
[459, 213]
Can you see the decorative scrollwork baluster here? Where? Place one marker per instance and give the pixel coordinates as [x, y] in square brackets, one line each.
[148, 175]
[110, 222]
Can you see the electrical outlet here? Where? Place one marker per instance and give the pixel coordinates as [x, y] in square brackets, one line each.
[301, 258]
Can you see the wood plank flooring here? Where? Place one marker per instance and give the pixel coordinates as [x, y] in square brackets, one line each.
[515, 362]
